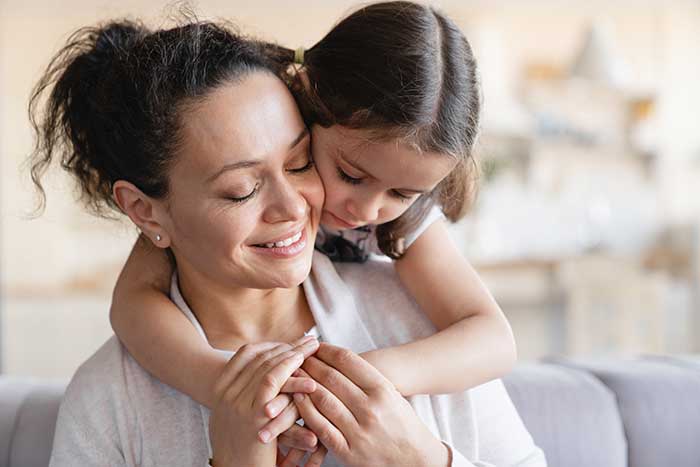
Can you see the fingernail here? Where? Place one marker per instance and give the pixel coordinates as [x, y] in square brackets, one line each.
[298, 397]
[273, 411]
[309, 386]
[264, 436]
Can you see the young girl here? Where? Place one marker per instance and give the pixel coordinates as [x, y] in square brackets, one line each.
[392, 101]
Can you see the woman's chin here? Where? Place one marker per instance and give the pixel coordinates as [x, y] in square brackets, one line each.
[291, 275]
[288, 281]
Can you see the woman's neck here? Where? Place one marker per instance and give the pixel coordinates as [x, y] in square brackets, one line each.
[232, 317]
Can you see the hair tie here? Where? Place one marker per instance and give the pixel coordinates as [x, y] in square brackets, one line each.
[299, 56]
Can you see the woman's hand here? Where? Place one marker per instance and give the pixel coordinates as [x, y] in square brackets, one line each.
[360, 417]
[254, 377]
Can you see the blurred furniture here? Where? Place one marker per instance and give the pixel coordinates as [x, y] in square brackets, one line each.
[613, 305]
[642, 412]
[602, 304]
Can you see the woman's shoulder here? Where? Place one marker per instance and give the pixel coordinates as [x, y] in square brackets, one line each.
[113, 409]
[98, 378]
[112, 380]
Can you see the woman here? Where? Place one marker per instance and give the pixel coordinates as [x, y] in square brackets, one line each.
[196, 113]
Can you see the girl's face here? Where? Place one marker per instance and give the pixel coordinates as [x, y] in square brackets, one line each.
[245, 198]
[369, 181]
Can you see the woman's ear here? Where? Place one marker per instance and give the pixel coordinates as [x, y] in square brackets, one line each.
[142, 210]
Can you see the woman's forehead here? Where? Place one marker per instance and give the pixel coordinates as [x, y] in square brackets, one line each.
[251, 119]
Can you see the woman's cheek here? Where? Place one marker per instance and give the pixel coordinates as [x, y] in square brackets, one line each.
[315, 193]
[318, 195]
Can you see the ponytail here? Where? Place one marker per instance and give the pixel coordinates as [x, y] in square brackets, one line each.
[108, 106]
[79, 81]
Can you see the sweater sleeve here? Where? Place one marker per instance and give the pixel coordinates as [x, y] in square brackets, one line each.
[79, 442]
[92, 428]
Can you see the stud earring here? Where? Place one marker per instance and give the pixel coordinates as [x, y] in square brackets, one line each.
[158, 237]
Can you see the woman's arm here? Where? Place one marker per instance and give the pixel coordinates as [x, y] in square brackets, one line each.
[155, 332]
[474, 343]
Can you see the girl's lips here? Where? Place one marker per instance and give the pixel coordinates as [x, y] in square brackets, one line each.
[341, 222]
[289, 251]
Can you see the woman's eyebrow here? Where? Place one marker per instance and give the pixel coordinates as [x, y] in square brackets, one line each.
[304, 133]
[252, 163]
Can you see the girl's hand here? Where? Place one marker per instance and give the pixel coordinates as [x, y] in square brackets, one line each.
[254, 377]
[294, 456]
[284, 412]
[301, 440]
[360, 417]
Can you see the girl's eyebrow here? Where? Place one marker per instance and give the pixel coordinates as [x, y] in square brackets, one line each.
[341, 154]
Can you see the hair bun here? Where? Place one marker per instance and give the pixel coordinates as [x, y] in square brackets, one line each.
[114, 39]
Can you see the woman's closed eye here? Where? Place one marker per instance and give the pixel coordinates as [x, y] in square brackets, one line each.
[303, 162]
[240, 199]
[305, 168]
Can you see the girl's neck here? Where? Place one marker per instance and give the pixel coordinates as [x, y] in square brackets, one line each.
[232, 317]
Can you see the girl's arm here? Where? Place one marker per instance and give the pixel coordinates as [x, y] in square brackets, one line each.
[474, 343]
[155, 332]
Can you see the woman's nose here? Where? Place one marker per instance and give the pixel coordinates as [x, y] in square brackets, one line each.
[286, 204]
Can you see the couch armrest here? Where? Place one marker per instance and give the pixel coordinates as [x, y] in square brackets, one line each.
[572, 417]
[659, 402]
[28, 411]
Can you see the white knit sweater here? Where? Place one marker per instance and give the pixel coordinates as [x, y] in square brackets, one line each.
[116, 414]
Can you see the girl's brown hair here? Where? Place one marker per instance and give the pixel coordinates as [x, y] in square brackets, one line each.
[402, 70]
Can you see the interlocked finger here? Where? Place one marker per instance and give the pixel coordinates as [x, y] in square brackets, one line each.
[298, 437]
[316, 458]
[279, 424]
[293, 458]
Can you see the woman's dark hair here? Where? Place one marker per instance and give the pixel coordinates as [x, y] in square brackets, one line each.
[404, 70]
[115, 96]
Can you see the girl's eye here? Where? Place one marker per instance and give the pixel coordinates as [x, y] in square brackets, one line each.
[241, 199]
[401, 196]
[347, 178]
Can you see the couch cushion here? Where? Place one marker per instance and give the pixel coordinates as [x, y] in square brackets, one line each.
[570, 414]
[28, 411]
[660, 408]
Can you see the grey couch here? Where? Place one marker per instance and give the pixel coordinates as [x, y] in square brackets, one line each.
[642, 412]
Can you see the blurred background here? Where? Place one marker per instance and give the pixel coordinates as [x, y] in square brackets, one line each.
[587, 225]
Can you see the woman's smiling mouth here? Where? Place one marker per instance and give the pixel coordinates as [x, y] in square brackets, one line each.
[286, 247]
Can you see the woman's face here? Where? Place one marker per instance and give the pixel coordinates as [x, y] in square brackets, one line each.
[245, 199]
[369, 181]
